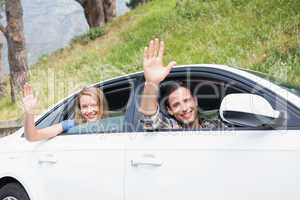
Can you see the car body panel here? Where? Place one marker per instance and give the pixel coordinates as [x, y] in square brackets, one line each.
[214, 165]
[92, 165]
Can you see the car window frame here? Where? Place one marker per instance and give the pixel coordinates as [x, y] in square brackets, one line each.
[241, 82]
[131, 79]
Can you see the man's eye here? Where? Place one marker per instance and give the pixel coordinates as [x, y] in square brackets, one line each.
[175, 105]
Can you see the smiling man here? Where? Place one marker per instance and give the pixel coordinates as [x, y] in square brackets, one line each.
[180, 104]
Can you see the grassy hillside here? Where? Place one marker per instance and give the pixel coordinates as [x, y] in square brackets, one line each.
[257, 34]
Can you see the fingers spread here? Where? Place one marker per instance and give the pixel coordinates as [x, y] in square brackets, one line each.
[156, 47]
[161, 49]
[25, 90]
[146, 53]
[151, 49]
[29, 89]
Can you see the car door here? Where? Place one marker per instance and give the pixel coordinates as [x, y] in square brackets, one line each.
[80, 167]
[232, 163]
[213, 165]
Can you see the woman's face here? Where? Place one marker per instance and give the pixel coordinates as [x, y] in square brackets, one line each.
[89, 108]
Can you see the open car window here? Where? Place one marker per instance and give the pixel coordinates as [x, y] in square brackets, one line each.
[210, 89]
[211, 86]
[209, 94]
[117, 95]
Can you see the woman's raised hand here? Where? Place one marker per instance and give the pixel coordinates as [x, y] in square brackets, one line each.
[154, 70]
[29, 101]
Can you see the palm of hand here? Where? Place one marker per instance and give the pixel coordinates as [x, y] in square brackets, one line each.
[29, 103]
[154, 70]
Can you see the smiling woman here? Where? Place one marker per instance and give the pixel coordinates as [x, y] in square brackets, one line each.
[91, 106]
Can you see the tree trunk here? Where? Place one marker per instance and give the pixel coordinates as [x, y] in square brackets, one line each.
[17, 55]
[109, 9]
[2, 85]
[98, 12]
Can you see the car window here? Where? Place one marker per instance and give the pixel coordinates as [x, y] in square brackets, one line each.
[57, 114]
[117, 95]
[210, 93]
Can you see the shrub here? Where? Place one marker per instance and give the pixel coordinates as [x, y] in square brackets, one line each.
[91, 35]
[134, 3]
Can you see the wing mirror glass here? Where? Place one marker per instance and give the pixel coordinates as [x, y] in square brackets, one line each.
[248, 110]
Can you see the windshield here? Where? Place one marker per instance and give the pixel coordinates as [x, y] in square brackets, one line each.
[290, 87]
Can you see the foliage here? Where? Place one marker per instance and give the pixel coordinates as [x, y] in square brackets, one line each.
[256, 34]
[134, 3]
[91, 35]
[2, 2]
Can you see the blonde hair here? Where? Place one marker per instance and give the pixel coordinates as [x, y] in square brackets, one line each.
[98, 95]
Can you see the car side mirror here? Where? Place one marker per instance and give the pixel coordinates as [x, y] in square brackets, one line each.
[250, 110]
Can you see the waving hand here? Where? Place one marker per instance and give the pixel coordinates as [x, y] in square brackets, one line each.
[29, 101]
[154, 70]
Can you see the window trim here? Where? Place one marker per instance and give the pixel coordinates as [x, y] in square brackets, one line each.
[240, 82]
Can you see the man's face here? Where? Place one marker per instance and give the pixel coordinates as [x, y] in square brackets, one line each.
[182, 105]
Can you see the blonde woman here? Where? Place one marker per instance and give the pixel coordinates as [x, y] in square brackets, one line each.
[91, 106]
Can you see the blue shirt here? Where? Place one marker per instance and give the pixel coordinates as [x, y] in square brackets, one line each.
[67, 124]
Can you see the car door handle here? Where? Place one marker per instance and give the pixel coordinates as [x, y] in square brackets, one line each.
[146, 162]
[48, 158]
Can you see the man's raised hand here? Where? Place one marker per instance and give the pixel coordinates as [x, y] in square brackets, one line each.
[154, 70]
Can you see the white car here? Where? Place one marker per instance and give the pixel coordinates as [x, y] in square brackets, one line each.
[257, 156]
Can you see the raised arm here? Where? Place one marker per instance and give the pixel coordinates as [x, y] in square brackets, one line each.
[31, 132]
[154, 73]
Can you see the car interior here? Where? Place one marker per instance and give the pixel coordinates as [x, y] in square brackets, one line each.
[209, 93]
[117, 96]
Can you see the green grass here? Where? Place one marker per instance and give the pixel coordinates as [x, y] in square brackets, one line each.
[91, 35]
[256, 34]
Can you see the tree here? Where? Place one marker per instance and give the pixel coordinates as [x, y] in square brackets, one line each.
[2, 84]
[98, 12]
[134, 3]
[17, 55]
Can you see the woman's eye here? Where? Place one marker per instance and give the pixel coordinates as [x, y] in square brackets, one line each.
[186, 100]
